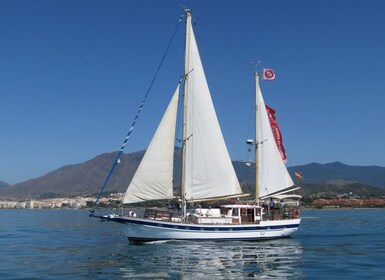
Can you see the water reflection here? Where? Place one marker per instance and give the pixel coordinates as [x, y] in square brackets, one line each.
[278, 259]
[66, 244]
[39, 244]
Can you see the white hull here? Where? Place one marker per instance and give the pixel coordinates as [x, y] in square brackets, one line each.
[144, 230]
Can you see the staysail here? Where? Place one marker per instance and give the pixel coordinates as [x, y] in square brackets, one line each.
[209, 172]
[153, 178]
[272, 173]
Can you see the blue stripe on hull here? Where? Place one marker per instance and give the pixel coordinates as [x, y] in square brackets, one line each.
[200, 227]
[140, 240]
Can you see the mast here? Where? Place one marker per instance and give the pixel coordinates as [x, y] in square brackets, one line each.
[185, 112]
[256, 139]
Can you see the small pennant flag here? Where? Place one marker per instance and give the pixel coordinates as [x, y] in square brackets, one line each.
[298, 175]
[268, 74]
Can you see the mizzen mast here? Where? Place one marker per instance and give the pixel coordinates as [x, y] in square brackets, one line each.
[256, 139]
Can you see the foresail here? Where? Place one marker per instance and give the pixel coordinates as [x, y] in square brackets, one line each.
[208, 167]
[272, 173]
[153, 178]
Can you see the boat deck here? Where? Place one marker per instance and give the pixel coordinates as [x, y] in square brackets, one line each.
[213, 217]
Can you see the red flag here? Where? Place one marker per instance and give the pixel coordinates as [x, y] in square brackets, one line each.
[268, 74]
[276, 132]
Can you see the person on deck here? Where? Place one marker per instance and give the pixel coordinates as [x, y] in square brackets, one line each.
[271, 206]
[271, 203]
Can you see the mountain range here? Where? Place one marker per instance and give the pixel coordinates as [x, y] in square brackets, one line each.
[87, 178]
[4, 184]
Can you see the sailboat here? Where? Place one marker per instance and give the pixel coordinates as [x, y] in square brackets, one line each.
[207, 174]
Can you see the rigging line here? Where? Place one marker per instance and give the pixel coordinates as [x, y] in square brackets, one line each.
[116, 161]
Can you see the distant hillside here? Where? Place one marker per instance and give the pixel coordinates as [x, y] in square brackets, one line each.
[88, 177]
[4, 184]
[330, 190]
[335, 189]
[83, 179]
[323, 173]
[315, 172]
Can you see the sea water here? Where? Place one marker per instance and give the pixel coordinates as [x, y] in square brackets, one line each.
[66, 244]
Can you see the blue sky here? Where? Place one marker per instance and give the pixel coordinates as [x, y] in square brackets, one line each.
[73, 73]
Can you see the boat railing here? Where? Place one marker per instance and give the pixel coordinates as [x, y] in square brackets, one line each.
[163, 215]
[281, 213]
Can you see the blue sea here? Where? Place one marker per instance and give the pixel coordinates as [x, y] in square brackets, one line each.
[66, 244]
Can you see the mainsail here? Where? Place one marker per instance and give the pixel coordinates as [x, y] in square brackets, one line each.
[272, 173]
[153, 178]
[209, 172]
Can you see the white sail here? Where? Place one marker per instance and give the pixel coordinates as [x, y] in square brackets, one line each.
[153, 178]
[272, 173]
[209, 172]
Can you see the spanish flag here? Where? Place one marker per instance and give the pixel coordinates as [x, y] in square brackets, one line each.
[298, 175]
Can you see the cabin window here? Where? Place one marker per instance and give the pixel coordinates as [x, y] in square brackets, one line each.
[235, 212]
[247, 215]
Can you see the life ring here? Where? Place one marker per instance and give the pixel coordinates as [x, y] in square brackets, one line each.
[295, 213]
[132, 214]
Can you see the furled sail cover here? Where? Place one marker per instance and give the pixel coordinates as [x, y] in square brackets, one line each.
[209, 171]
[153, 178]
[272, 173]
